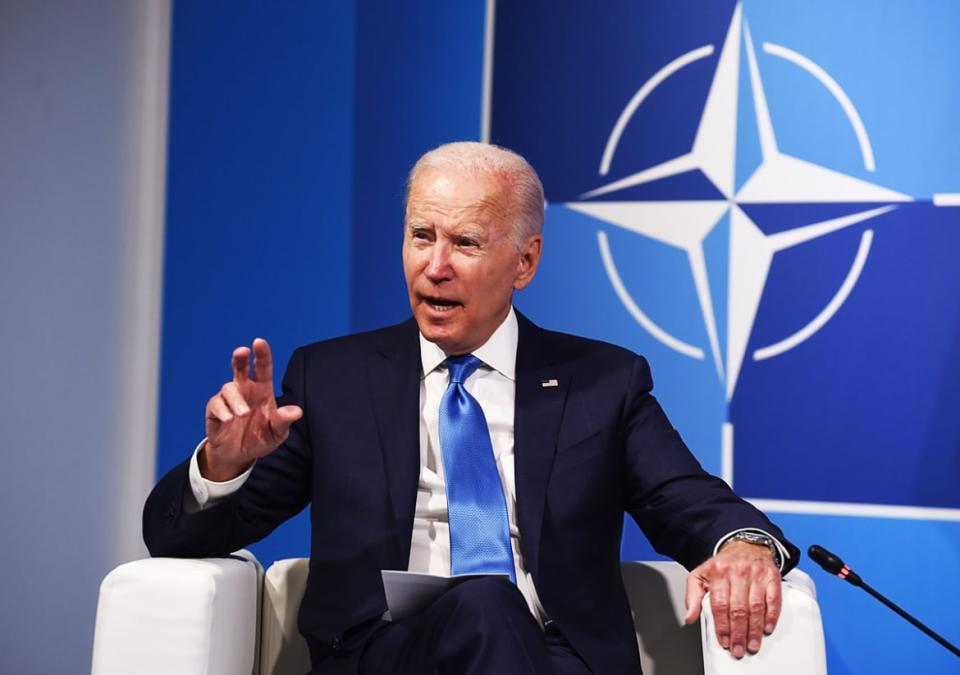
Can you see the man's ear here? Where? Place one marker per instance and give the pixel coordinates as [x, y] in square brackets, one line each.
[529, 260]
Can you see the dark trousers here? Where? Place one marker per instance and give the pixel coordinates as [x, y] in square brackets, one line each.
[479, 627]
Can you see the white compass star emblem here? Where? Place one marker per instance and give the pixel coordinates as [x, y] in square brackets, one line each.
[779, 179]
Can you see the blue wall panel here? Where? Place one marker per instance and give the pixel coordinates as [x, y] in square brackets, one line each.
[258, 205]
[853, 431]
[292, 129]
[418, 84]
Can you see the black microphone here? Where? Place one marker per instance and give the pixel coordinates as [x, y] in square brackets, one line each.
[834, 565]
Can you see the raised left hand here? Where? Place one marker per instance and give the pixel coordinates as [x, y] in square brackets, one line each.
[745, 595]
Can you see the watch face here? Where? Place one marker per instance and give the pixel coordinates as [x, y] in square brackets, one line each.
[755, 538]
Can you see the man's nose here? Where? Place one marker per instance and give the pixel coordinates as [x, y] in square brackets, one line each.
[438, 266]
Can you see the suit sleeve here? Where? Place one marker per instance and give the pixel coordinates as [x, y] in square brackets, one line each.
[683, 510]
[278, 488]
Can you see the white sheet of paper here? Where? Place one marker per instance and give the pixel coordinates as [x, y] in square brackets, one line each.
[409, 593]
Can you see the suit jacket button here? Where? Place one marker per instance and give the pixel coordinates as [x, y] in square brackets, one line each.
[336, 644]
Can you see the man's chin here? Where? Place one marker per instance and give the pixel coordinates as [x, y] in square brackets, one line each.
[444, 335]
[434, 330]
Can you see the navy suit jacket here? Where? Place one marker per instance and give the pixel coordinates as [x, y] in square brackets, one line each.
[586, 451]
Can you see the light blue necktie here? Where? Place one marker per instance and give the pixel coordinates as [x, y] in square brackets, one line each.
[477, 510]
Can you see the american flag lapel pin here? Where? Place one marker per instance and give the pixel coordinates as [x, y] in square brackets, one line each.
[549, 383]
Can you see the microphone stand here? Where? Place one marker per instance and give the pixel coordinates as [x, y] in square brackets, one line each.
[834, 565]
[908, 617]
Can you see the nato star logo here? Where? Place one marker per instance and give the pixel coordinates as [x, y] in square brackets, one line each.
[777, 178]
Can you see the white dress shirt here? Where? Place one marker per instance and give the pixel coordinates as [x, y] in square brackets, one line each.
[493, 384]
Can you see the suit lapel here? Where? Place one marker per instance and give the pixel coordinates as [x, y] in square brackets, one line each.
[393, 378]
[537, 415]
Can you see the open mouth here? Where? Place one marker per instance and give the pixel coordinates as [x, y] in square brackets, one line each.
[439, 304]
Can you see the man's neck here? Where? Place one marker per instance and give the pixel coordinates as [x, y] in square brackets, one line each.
[498, 352]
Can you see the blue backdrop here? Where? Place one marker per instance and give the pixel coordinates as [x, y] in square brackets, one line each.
[292, 128]
[743, 193]
[258, 232]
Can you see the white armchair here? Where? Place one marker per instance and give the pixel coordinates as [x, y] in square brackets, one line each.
[225, 617]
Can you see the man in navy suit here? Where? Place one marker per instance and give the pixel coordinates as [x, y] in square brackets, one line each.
[570, 432]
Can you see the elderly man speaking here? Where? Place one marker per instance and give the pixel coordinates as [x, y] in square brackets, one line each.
[468, 440]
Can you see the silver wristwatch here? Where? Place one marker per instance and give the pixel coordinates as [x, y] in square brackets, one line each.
[760, 539]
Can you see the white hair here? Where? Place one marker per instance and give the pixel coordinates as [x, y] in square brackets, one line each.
[492, 160]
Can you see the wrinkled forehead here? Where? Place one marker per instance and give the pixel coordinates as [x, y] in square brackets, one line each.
[459, 195]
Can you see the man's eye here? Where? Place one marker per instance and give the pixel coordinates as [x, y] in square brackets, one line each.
[466, 242]
[420, 234]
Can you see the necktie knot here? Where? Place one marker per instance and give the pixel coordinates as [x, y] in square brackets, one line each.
[461, 367]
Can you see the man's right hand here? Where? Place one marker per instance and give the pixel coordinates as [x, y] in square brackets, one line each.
[243, 420]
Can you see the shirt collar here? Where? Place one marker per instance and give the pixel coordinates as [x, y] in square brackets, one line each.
[498, 352]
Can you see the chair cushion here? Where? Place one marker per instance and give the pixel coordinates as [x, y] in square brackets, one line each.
[282, 649]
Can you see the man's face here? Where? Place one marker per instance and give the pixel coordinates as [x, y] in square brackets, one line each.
[460, 260]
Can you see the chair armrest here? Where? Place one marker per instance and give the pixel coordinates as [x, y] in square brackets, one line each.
[795, 648]
[173, 615]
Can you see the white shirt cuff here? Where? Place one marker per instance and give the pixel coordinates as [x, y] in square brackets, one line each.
[781, 549]
[205, 493]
